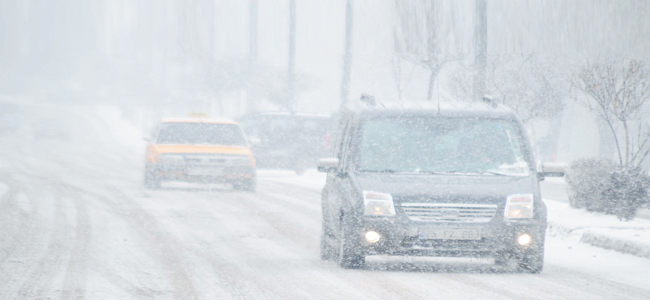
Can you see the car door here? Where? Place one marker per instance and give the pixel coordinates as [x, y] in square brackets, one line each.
[337, 182]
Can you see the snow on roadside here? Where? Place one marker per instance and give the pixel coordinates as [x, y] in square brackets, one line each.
[600, 230]
[311, 179]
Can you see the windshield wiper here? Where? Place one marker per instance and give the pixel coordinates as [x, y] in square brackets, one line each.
[380, 171]
[493, 173]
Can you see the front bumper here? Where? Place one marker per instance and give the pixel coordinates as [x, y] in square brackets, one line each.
[204, 173]
[497, 238]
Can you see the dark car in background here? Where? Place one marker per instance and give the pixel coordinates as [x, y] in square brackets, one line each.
[453, 180]
[283, 140]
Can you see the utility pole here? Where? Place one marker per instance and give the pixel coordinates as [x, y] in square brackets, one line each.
[480, 49]
[292, 55]
[252, 43]
[251, 101]
[347, 54]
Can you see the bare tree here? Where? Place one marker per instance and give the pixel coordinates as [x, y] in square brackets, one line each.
[529, 84]
[618, 91]
[401, 78]
[424, 38]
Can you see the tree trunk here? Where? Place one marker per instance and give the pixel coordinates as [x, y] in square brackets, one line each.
[627, 144]
[432, 81]
[606, 144]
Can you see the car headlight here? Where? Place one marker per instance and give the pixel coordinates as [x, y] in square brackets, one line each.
[378, 204]
[168, 159]
[519, 206]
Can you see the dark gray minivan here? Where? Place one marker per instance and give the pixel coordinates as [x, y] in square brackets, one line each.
[455, 180]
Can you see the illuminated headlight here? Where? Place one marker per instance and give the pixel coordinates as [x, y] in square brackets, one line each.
[372, 237]
[524, 239]
[378, 204]
[519, 206]
[168, 159]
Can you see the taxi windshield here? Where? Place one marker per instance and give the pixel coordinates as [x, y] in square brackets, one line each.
[447, 145]
[201, 134]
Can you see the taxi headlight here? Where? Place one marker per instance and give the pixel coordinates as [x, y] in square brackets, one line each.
[378, 204]
[169, 159]
[519, 206]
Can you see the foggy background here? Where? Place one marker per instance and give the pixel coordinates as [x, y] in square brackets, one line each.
[155, 58]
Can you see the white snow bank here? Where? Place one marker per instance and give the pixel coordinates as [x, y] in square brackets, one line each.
[600, 230]
[311, 179]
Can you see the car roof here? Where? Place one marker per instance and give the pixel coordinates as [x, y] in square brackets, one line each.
[198, 120]
[286, 113]
[443, 109]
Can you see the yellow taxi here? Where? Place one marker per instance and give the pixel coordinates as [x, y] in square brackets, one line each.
[200, 150]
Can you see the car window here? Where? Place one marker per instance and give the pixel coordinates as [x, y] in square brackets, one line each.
[201, 133]
[426, 144]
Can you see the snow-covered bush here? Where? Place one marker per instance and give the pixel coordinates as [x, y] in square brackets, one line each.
[587, 179]
[599, 185]
[627, 191]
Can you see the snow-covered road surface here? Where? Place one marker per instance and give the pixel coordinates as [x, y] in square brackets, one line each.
[66, 237]
[77, 224]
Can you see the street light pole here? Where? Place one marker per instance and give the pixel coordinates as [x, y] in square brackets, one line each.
[347, 56]
[480, 49]
[292, 56]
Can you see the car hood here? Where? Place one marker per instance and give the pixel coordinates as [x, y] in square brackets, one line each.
[447, 188]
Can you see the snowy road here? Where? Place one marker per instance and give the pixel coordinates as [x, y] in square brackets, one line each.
[77, 224]
[90, 235]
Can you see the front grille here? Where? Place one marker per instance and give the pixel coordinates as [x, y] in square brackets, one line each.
[216, 159]
[448, 212]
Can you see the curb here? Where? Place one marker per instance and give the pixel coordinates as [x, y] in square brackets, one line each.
[600, 240]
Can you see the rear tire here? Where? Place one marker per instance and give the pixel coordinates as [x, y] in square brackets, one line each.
[350, 253]
[326, 250]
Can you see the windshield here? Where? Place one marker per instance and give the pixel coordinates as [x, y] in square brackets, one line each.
[449, 145]
[201, 133]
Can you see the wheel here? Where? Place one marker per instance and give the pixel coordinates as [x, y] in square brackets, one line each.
[350, 253]
[326, 250]
[502, 260]
[248, 185]
[151, 181]
[531, 264]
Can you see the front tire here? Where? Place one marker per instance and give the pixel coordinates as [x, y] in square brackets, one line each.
[532, 264]
[248, 185]
[350, 253]
[151, 181]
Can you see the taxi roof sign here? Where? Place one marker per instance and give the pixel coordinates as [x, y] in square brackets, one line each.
[198, 115]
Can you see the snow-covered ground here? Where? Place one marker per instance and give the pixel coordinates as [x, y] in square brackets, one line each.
[77, 223]
[597, 229]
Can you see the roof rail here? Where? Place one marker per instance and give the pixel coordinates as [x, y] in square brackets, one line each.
[368, 99]
[490, 101]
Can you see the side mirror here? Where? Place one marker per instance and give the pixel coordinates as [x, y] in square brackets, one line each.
[551, 170]
[254, 141]
[328, 165]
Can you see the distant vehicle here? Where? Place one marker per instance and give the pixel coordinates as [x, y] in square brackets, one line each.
[417, 180]
[283, 140]
[200, 150]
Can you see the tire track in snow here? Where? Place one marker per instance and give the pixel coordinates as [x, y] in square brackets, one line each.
[163, 245]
